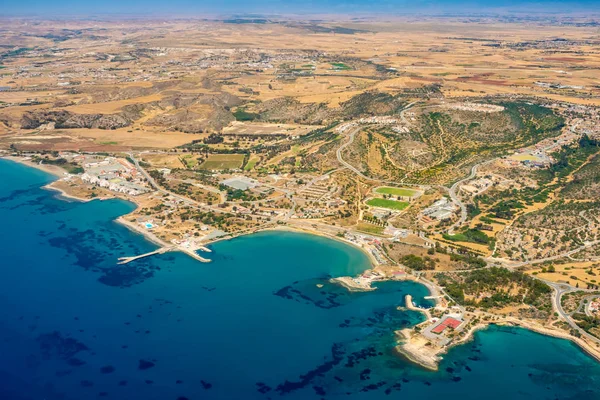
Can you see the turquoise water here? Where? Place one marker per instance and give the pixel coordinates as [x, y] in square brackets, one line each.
[252, 324]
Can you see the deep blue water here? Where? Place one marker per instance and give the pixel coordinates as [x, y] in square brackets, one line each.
[250, 325]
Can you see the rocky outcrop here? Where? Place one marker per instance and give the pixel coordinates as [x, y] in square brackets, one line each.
[64, 120]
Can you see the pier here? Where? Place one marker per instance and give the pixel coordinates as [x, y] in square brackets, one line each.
[162, 250]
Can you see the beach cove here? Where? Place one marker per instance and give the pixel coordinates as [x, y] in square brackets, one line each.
[262, 320]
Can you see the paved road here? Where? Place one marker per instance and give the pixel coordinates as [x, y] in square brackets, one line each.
[158, 188]
[558, 256]
[349, 166]
[560, 290]
[456, 199]
[345, 163]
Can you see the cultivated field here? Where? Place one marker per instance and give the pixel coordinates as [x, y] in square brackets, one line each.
[223, 161]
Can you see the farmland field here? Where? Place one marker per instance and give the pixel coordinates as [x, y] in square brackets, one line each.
[251, 163]
[189, 161]
[396, 191]
[223, 161]
[390, 204]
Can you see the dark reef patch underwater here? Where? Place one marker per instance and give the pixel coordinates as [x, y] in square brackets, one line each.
[253, 324]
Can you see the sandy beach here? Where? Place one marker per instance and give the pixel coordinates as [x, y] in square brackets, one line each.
[51, 169]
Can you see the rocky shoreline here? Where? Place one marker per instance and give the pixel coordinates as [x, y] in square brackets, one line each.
[417, 351]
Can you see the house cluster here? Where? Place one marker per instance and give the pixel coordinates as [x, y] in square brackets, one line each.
[486, 108]
[117, 175]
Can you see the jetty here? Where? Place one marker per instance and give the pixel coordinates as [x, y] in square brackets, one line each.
[162, 250]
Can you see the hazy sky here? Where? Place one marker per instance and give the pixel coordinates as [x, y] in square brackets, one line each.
[197, 7]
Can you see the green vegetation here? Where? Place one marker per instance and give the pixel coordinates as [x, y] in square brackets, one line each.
[189, 161]
[223, 161]
[223, 221]
[473, 210]
[340, 66]
[586, 181]
[469, 137]
[585, 184]
[589, 324]
[572, 157]
[489, 220]
[71, 168]
[418, 263]
[242, 115]
[469, 235]
[468, 260]
[396, 191]
[372, 103]
[533, 120]
[496, 287]
[506, 209]
[239, 195]
[15, 52]
[251, 163]
[389, 204]
[213, 138]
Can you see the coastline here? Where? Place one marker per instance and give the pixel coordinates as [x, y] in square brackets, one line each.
[430, 359]
[54, 170]
[66, 196]
[406, 350]
[156, 240]
[289, 228]
[147, 234]
[59, 173]
[348, 283]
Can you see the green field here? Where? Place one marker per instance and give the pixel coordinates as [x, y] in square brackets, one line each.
[189, 161]
[389, 204]
[340, 66]
[251, 163]
[223, 161]
[396, 191]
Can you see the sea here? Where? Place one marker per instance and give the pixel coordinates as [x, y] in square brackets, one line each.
[261, 321]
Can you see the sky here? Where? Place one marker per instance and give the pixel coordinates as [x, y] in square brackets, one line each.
[204, 7]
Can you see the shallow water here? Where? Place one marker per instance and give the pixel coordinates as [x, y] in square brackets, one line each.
[252, 324]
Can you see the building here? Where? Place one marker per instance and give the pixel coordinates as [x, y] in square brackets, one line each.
[448, 322]
[240, 183]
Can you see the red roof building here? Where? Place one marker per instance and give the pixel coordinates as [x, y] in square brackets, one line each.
[448, 322]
